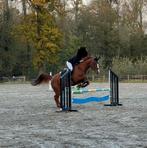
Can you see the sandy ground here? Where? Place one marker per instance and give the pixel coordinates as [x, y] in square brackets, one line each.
[28, 119]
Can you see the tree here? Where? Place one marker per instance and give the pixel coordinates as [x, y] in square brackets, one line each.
[132, 19]
[40, 30]
[6, 66]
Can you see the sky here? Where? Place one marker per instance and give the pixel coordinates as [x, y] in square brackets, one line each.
[19, 5]
[86, 1]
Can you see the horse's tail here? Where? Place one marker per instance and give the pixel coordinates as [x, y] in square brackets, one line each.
[42, 78]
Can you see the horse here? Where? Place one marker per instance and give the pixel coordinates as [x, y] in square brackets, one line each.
[78, 76]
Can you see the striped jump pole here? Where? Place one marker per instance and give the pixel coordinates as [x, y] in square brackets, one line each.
[114, 89]
[65, 91]
[81, 91]
[49, 84]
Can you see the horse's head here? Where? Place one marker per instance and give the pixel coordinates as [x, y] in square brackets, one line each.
[95, 64]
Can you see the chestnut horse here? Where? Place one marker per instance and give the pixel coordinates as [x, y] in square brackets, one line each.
[77, 78]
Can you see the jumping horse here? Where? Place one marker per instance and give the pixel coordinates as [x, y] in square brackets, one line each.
[78, 76]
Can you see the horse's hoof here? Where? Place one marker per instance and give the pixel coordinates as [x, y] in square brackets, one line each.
[59, 110]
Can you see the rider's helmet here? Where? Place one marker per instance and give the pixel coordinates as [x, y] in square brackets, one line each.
[82, 52]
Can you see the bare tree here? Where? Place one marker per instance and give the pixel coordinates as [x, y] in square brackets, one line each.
[24, 7]
[77, 4]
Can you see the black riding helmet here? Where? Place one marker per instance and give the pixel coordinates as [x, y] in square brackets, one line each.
[82, 52]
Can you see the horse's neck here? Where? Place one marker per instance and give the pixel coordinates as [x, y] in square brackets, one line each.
[85, 65]
[86, 58]
[80, 71]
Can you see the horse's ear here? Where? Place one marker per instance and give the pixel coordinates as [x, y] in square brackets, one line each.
[97, 58]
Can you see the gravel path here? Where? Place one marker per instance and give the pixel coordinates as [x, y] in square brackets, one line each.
[28, 119]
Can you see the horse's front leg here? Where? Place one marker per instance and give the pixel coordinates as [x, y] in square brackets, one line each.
[83, 83]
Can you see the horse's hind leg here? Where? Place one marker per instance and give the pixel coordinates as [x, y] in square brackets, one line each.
[56, 97]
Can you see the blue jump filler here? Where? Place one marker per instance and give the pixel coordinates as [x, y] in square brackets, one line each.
[89, 99]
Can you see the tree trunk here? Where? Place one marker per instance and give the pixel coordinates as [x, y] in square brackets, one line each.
[6, 11]
[140, 15]
[24, 7]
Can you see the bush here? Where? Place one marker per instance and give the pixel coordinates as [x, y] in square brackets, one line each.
[125, 66]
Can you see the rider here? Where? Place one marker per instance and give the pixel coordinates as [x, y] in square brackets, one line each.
[81, 53]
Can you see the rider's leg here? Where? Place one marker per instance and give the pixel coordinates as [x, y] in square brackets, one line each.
[69, 65]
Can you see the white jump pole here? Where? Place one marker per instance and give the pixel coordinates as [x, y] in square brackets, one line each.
[84, 90]
[50, 87]
[81, 91]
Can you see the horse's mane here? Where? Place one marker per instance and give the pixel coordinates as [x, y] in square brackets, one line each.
[85, 59]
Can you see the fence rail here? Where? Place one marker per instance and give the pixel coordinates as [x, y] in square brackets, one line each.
[123, 78]
[13, 79]
[91, 77]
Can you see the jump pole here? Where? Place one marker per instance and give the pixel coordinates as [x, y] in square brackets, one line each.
[49, 84]
[65, 91]
[81, 91]
[114, 89]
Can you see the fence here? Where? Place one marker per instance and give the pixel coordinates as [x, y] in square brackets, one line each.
[13, 79]
[134, 78]
[123, 78]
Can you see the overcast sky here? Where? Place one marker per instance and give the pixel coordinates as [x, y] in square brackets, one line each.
[19, 5]
[86, 1]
